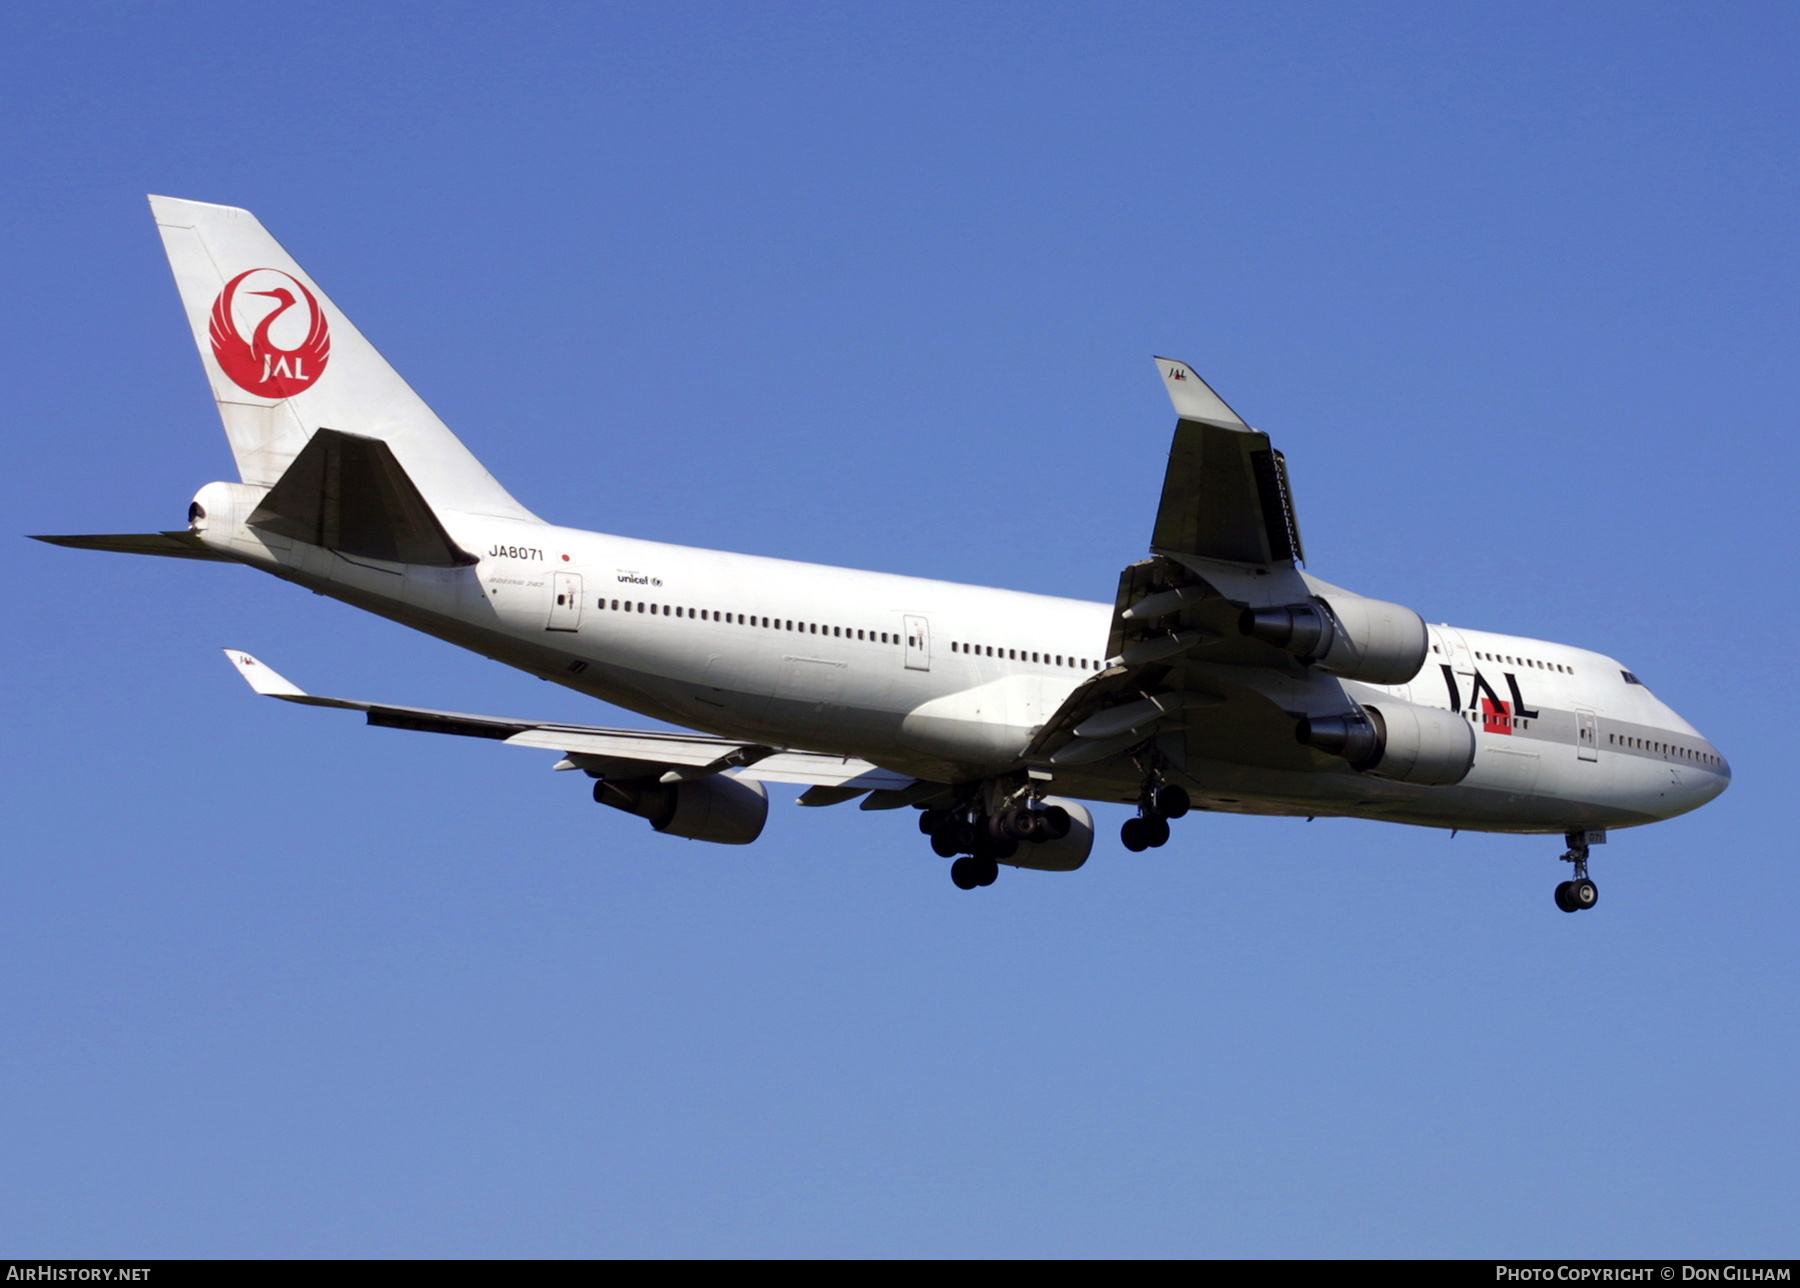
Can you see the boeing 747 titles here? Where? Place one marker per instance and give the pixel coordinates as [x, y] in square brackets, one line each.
[1222, 676]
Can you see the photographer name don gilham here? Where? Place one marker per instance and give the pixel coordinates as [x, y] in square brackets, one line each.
[1644, 1274]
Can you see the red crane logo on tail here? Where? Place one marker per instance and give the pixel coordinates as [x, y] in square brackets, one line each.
[290, 341]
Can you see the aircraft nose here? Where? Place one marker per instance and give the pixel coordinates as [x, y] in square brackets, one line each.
[1720, 778]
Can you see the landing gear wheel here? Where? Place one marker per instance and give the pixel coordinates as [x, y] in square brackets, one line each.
[1054, 823]
[932, 819]
[966, 873]
[1132, 836]
[944, 845]
[1172, 801]
[988, 871]
[1580, 894]
[1154, 830]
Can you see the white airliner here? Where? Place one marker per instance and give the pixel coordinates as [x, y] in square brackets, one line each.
[1221, 677]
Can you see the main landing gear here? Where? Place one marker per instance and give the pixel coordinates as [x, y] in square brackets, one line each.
[1581, 893]
[985, 840]
[1150, 828]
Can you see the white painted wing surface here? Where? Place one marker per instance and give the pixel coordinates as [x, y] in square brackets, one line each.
[651, 748]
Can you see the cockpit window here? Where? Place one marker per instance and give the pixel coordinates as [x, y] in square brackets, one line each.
[1630, 678]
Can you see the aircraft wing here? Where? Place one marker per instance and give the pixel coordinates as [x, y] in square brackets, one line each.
[1179, 671]
[1225, 495]
[671, 756]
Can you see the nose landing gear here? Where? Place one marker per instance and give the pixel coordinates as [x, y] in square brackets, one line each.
[1580, 894]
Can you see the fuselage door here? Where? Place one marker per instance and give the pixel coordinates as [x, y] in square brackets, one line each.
[1456, 655]
[1587, 735]
[918, 643]
[565, 602]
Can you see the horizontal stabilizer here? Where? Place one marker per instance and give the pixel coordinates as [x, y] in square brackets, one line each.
[171, 545]
[632, 752]
[348, 493]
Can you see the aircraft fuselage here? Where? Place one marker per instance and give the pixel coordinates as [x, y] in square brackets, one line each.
[948, 682]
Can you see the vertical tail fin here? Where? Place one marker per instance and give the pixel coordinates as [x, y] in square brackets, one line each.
[284, 362]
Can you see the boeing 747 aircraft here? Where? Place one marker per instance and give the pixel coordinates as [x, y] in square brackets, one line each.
[1223, 675]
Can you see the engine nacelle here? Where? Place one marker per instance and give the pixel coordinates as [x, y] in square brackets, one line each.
[1359, 639]
[1399, 740]
[1064, 854]
[717, 808]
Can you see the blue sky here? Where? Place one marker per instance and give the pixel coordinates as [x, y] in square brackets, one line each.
[1512, 285]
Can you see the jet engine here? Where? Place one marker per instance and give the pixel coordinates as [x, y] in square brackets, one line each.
[718, 808]
[1065, 853]
[1398, 740]
[1356, 638]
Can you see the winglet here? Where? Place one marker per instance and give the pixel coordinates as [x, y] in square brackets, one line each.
[262, 679]
[1194, 398]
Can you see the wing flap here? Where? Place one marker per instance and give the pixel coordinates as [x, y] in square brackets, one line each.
[823, 770]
